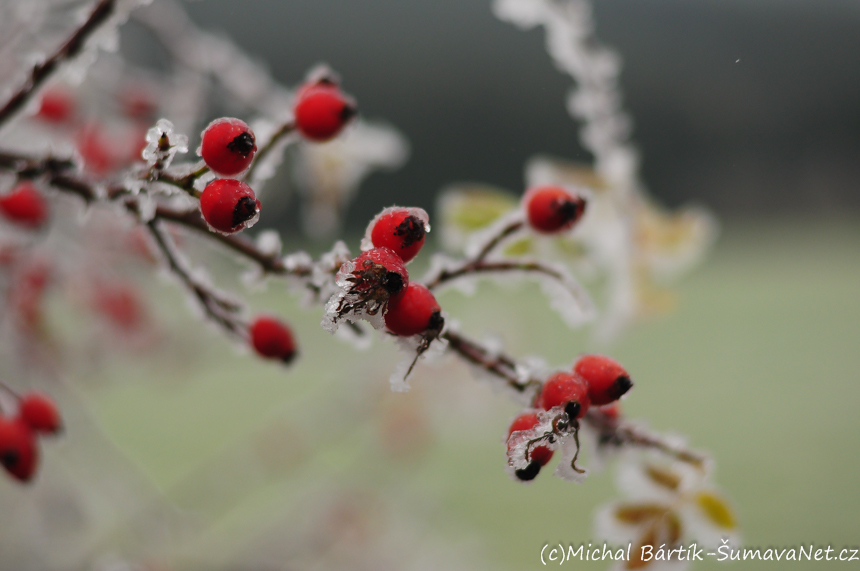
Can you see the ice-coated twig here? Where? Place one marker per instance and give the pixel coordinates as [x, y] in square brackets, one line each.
[222, 310]
[610, 431]
[72, 47]
[493, 362]
[613, 432]
[208, 54]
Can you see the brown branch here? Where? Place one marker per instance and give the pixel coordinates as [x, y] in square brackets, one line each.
[218, 307]
[72, 47]
[476, 263]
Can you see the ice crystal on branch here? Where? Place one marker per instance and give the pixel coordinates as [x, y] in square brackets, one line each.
[162, 145]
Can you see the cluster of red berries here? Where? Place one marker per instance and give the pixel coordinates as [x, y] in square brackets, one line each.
[228, 146]
[19, 449]
[595, 380]
[24, 206]
[552, 209]
[380, 278]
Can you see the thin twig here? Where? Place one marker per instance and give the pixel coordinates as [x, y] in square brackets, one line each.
[72, 47]
[498, 364]
[223, 311]
[611, 431]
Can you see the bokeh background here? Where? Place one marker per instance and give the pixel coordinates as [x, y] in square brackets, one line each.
[199, 457]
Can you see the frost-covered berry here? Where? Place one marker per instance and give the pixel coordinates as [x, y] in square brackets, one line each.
[607, 380]
[380, 268]
[539, 456]
[19, 452]
[414, 311]
[229, 205]
[322, 110]
[25, 205]
[272, 339]
[40, 413]
[228, 146]
[567, 391]
[552, 208]
[400, 229]
[367, 284]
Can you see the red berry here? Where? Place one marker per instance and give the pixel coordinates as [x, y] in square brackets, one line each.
[56, 106]
[612, 411]
[565, 390]
[40, 413]
[552, 208]
[25, 205]
[607, 380]
[322, 110]
[539, 456]
[19, 452]
[400, 229]
[138, 102]
[414, 311]
[97, 152]
[121, 304]
[228, 146]
[228, 205]
[272, 339]
[380, 268]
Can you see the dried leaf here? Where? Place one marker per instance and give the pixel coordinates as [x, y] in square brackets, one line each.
[648, 538]
[639, 513]
[674, 529]
[663, 477]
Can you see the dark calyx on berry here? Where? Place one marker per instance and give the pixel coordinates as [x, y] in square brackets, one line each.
[244, 210]
[411, 230]
[572, 409]
[620, 387]
[9, 459]
[437, 322]
[392, 282]
[528, 473]
[348, 112]
[242, 144]
[570, 209]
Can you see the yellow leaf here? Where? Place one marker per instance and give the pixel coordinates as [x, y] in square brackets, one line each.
[716, 509]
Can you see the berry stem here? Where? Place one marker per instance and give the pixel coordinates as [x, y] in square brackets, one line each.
[70, 48]
[264, 150]
[476, 262]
